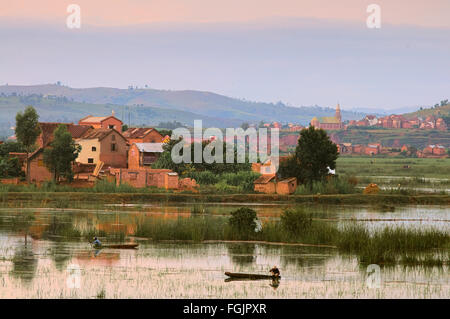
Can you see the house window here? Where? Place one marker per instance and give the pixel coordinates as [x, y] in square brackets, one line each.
[90, 160]
[113, 147]
[111, 126]
[40, 162]
[94, 149]
[113, 137]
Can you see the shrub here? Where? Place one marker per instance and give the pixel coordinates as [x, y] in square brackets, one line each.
[243, 221]
[295, 221]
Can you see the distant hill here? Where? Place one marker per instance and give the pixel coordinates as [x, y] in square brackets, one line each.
[61, 109]
[198, 103]
[438, 111]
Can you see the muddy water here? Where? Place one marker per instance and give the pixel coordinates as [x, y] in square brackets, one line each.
[36, 266]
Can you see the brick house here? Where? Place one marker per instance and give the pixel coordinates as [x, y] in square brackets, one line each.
[265, 184]
[161, 178]
[104, 122]
[143, 135]
[38, 171]
[287, 186]
[269, 184]
[106, 145]
[144, 154]
[439, 150]
[441, 125]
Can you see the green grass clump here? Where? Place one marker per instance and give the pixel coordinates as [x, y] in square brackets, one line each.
[389, 244]
[337, 185]
[195, 228]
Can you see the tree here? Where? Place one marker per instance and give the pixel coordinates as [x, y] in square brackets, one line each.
[58, 158]
[315, 153]
[124, 127]
[245, 125]
[27, 131]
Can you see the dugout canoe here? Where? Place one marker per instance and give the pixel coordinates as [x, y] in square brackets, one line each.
[250, 276]
[119, 246]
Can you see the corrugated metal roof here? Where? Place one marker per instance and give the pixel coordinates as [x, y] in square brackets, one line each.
[150, 147]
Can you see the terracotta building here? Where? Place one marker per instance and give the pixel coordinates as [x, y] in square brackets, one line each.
[144, 154]
[265, 184]
[329, 123]
[104, 122]
[38, 171]
[143, 135]
[161, 178]
[106, 145]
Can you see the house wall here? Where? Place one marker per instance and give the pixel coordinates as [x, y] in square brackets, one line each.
[268, 188]
[139, 178]
[38, 171]
[286, 187]
[86, 151]
[104, 124]
[134, 157]
[171, 181]
[117, 158]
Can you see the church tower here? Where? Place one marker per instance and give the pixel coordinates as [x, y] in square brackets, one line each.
[338, 113]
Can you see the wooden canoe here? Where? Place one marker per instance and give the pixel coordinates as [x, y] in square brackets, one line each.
[250, 276]
[118, 246]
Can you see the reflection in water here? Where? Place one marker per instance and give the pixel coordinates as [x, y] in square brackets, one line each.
[242, 254]
[38, 269]
[24, 263]
[60, 254]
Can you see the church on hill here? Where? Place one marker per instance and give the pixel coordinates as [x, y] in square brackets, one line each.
[330, 122]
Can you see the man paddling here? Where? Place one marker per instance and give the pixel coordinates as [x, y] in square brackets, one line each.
[96, 242]
[275, 272]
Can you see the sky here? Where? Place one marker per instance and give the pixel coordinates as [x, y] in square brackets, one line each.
[301, 52]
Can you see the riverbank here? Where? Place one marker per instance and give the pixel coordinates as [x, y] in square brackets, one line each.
[70, 199]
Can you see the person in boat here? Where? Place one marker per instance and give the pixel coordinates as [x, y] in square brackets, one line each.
[96, 242]
[275, 272]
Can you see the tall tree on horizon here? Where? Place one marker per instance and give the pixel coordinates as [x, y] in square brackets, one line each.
[27, 130]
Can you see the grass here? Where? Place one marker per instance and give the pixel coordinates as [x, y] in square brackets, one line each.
[384, 247]
[336, 185]
[394, 167]
[389, 245]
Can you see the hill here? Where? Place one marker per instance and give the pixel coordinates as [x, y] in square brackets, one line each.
[207, 104]
[61, 109]
[438, 111]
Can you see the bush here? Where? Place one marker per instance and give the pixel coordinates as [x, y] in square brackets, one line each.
[295, 221]
[243, 221]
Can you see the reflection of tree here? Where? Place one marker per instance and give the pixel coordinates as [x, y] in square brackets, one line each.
[24, 263]
[60, 255]
[242, 254]
[300, 256]
[61, 228]
[22, 222]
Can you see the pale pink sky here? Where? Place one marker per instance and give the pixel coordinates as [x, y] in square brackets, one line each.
[127, 12]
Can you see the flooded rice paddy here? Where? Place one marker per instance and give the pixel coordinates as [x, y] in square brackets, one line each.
[34, 264]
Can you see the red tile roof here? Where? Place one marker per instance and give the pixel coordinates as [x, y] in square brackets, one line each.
[264, 179]
[99, 133]
[47, 129]
[139, 132]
